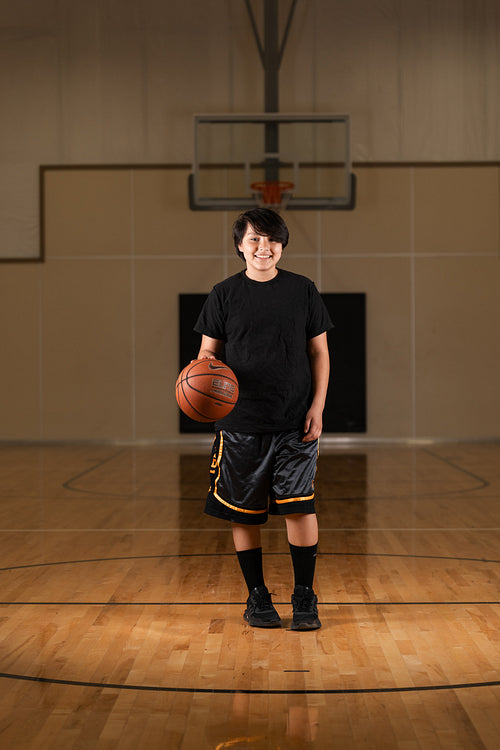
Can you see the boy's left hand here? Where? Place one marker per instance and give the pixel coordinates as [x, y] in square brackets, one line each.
[313, 425]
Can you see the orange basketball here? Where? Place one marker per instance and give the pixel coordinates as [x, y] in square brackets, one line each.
[206, 390]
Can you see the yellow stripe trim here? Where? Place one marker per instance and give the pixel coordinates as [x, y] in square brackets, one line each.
[216, 495]
[294, 499]
[234, 507]
[217, 462]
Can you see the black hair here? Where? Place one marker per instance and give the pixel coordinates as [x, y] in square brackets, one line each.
[263, 221]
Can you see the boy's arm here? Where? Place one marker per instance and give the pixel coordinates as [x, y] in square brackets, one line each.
[319, 359]
[210, 348]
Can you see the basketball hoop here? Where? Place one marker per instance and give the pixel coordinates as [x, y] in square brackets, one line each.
[273, 193]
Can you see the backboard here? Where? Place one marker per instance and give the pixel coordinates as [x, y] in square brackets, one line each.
[293, 161]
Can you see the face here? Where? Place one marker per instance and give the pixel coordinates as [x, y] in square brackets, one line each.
[261, 255]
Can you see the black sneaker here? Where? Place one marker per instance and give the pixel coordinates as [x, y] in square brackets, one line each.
[305, 609]
[260, 612]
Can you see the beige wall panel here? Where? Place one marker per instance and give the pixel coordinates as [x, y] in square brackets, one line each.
[29, 95]
[20, 370]
[380, 222]
[229, 219]
[298, 71]
[304, 232]
[246, 74]
[157, 286]
[458, 347]
[355, 57]
[448, 79]
[488, 42]
[80, 74]
[163, 221]
[432, 48]
[19, 212]
[87, 212]
[28, 134]
[87, 350]
[386, 283]
[189, 71]
[457, 209]
[122, 94]
[33, 15]
[235, 265]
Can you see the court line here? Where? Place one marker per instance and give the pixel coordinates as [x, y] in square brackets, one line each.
[231, 554]
[92, 468]
[340, 691]
[132, 320]
[266, 554]
[483, 483]
[449, 462]
[242, 603]
[413, 306]
[235, 691]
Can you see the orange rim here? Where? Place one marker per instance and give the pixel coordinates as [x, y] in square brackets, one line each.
[272, 190]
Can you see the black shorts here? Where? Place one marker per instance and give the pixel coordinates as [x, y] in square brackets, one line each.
[253, 475]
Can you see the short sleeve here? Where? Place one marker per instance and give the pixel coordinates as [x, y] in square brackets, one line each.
[319, 319]
[211, 318]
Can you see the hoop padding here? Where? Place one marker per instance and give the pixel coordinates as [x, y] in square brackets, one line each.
[273, 192]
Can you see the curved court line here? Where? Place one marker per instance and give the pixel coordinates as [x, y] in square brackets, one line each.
[483, 483]
[249, 691]
[100, 462]
[231, 554]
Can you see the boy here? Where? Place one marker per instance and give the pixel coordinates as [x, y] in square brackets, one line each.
[269, 326]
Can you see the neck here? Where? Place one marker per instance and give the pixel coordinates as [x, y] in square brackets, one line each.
[264, 276]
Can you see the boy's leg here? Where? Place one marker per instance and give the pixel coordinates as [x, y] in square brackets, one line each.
[302, 532]
[239, 487]
[249, 551]
[245, 537]
[292, 496]
[260, 612]
[302, 529]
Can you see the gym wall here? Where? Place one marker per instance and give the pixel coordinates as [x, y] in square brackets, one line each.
[90, 351]
[94, 89]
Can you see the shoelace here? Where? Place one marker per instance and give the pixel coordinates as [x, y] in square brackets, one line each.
[304, 603]
[263, 601]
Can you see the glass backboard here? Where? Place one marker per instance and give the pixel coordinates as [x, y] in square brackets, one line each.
[297, 161]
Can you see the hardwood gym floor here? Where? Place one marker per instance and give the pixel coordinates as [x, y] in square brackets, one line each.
[121, 605]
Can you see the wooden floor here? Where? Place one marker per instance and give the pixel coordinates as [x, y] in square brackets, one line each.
[121, 605]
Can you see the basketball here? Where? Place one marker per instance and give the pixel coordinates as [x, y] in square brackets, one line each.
[206, 390]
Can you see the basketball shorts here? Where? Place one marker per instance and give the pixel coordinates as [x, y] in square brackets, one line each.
[253, 475]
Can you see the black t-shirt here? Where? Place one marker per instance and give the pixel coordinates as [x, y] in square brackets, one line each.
[265, 326]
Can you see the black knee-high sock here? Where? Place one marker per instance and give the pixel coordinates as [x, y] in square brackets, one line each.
[250, 561]
[304, 564]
